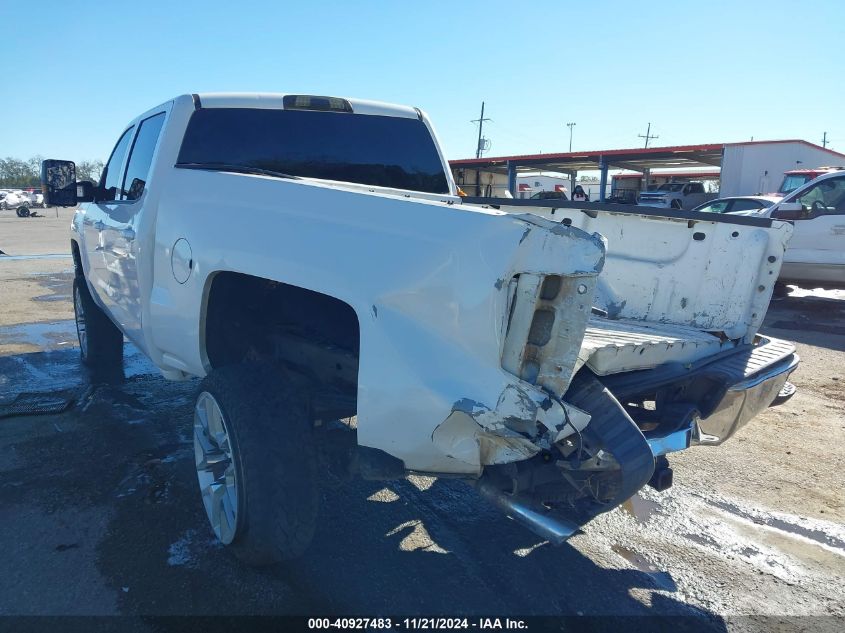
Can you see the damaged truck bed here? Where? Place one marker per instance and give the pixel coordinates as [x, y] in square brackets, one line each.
[669, 357]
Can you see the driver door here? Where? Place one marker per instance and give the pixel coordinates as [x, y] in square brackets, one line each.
[94, 216]
[121, 224]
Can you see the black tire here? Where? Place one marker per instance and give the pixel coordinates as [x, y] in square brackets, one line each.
[100, 342]
[23, 212]
[676, 204]
[273, 449]
[781, 290]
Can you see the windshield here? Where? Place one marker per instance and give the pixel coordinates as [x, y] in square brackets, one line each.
[382, 151]
[791, 182]
[671, 186]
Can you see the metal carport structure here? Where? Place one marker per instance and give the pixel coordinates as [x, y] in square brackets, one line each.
[640, 159]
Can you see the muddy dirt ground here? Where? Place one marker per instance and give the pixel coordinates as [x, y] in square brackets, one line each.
[99, 512]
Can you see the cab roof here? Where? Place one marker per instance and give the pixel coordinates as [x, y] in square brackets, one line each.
[272, 100]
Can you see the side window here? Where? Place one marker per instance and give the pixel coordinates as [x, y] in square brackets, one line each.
[696, 187]
[746, 205]
[112, 173]
[716, 207]
[828, 196]
[141, 157]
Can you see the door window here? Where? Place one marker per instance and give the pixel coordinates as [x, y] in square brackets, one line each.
[826, 197]
[141, 157]
[110, 180]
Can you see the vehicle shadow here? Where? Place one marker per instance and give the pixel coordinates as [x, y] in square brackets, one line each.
[395, 548]
[812, 320]
[416, 546]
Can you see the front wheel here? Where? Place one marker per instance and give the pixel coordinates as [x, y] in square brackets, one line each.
[256, 463]
[23, 212]
[100, 342]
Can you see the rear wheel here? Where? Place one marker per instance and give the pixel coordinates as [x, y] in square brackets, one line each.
[256, 463]
[781, 290]
[100, 342]
[23, 212]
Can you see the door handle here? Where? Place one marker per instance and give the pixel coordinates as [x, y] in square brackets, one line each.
[128, 233]
[99, 225]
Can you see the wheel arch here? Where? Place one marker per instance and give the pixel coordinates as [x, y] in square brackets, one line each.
[77, 258]
[246, 317]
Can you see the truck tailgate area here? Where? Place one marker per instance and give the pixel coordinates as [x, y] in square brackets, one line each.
[618, 345]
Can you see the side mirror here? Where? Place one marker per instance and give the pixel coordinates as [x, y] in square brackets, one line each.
[788, 211]
[58, 182]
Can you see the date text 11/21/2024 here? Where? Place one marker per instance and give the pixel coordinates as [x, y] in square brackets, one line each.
[419, 623]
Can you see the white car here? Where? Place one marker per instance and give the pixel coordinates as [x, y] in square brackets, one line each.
[816, 253]
[735, 204]
[15, 199]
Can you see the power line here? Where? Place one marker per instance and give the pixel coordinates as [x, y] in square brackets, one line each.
[480, 147]
[648, 135]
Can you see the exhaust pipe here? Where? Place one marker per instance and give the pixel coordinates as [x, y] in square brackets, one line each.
[534, 517]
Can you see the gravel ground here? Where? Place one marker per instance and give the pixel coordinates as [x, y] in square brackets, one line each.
[99, 512]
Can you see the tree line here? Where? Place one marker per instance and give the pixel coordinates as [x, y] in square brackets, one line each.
[18, 173]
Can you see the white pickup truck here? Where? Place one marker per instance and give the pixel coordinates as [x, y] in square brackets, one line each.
[351, 312]
[816, 209]
[676, 195]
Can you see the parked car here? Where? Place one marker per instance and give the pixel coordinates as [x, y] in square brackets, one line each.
[738, 203]
[552, 362]
[14, 200]
[622, 196]
[676, 195]
[36, 199]
[549, 195]
[816, 253]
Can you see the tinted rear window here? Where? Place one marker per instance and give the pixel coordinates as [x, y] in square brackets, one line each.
[372, 150]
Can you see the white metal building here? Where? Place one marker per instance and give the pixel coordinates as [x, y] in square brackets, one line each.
[757, 167]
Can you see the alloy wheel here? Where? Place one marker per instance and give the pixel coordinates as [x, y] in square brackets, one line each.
[216, 470]
[79, 316]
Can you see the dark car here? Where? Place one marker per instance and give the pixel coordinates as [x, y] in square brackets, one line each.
[549, 195]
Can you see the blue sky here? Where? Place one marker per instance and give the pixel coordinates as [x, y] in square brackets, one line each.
[76, 72]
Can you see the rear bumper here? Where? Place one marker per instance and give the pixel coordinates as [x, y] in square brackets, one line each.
[753, 389]
[743, 401]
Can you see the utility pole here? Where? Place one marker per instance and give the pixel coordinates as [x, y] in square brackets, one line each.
[570, 126]
[648, 135]
[824, 140]
[480, 146]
